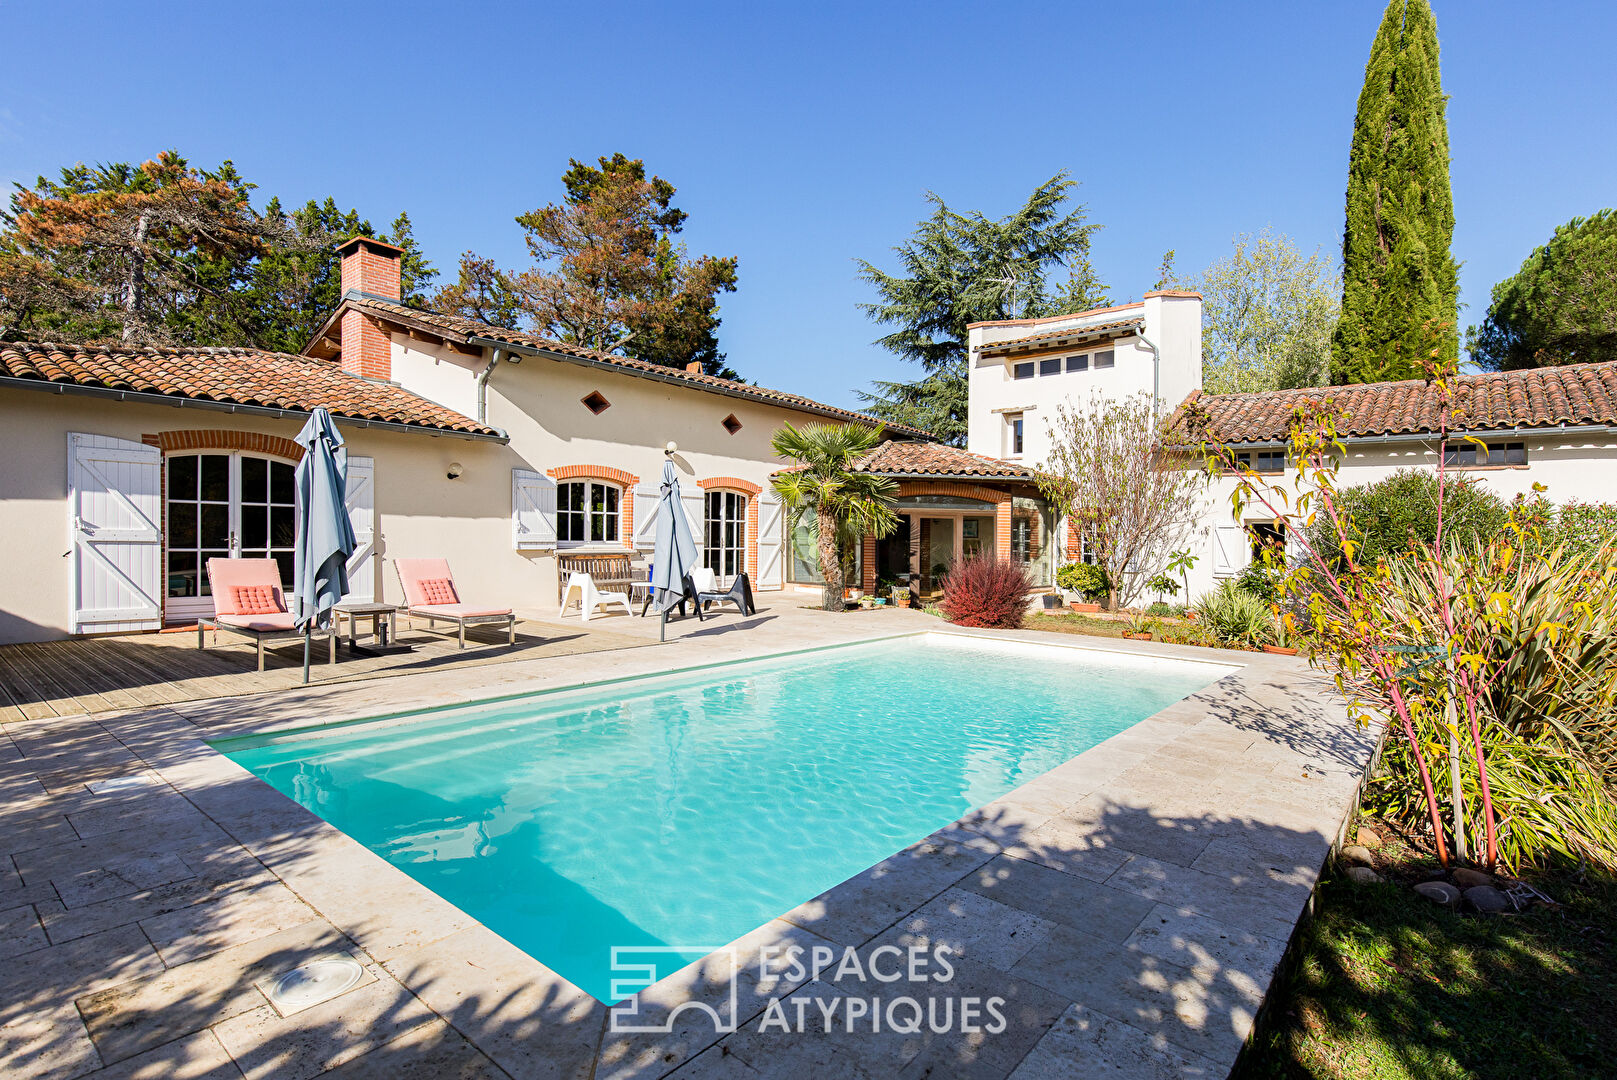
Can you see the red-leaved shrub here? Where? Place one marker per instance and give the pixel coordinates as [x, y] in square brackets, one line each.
[983, 591]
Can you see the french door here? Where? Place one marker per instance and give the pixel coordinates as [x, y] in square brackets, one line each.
[224, 506]
[725, 534]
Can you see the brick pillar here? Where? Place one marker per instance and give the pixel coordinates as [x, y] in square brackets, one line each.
[751, 558]
[370, 267]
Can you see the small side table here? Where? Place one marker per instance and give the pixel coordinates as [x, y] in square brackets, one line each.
[383, 617]
[640, 593]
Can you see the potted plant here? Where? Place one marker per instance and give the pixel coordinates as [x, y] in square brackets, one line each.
[1284, 642]
[1087, 581]
[1163, 585]
[1141, 627]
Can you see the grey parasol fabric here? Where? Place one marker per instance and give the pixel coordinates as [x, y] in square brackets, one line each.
[674, 555]
[325, 535]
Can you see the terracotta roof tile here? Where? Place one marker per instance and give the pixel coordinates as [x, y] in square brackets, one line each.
[239, 376]
[1116, 328]
[903, 458]
[469, 328]
[1577, 394]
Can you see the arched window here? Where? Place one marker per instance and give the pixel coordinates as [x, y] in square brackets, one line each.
[587, 512]
[724, 533]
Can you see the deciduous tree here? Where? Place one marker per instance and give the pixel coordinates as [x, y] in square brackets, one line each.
[1268, 313]
[1109, 471]
[1399, 279]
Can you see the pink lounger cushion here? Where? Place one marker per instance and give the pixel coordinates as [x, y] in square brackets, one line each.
[263, 624]
[459, 611]
[226, 576]
[417, 577]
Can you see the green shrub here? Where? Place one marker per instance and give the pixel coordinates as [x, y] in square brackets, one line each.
[1160, 609]
[1086, 579]
[1391, 513]
[1234, 616]
[1261, 581]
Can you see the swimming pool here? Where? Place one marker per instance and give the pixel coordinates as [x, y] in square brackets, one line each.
[685, 810]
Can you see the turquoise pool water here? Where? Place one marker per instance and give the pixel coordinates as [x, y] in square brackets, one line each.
[685, 810]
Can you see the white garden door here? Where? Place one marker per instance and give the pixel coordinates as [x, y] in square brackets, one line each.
[360, 499]
[771, 546]
[114, 505]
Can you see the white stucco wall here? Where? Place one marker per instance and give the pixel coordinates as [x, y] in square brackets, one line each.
[1574, 466]
[1173, 323]
[418, 509]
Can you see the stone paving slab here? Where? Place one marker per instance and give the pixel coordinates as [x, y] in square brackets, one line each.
[1129, 906]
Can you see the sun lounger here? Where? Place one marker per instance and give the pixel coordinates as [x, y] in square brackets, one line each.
[248, 600]
[430, 593]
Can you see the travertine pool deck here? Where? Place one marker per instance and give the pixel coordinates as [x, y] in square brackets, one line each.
[1130, 906]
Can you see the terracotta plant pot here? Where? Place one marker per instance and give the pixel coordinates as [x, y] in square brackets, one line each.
[1280, 650]
[1191, 615]
[1083, 607]
[1136, 637]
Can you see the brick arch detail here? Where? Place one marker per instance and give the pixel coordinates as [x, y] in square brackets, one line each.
[949, 487]
[593, 472]
[733, 483]
[219, 439]
[624, 479]
[749, 541]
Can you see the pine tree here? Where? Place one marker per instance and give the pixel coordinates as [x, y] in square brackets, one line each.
[1400, 285]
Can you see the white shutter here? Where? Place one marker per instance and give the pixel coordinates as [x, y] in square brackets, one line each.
[1231, 550]
[694, 500]
[647, 498]
[360, 500]
[114, 500]
[533, 510]
[771, 546]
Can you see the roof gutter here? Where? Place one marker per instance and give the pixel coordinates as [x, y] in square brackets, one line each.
[1432, 436]
[139, 397]
[675, 380]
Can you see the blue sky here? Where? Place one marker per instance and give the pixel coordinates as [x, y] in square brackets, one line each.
[801, 137]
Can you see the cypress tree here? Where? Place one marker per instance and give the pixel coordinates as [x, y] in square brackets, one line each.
[1400, 285]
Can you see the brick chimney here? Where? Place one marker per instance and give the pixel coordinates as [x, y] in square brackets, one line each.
[371, 267]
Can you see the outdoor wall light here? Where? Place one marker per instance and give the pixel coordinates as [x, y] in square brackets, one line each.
[671, 448]
[455, 470]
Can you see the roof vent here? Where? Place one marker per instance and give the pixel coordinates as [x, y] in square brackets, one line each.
[731, 424]
[595, 403]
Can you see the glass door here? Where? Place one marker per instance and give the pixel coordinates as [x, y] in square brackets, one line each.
[223, 506]
[724, 546]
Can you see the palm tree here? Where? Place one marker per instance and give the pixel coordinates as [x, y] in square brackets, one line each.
[844, 500]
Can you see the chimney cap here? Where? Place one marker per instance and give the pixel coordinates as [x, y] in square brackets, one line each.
[382, 246]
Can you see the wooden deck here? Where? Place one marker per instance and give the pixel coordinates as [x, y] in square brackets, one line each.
[87, 675]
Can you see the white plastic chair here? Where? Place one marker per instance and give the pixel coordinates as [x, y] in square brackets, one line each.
[705, 579]
[590, 599]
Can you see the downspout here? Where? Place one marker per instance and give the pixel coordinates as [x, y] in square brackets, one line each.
[1156, 372]
[482, 387]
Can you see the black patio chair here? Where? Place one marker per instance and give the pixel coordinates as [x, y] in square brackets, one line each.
[740, 595]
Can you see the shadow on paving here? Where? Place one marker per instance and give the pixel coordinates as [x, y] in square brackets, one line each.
[1123, 942]
[138, 671]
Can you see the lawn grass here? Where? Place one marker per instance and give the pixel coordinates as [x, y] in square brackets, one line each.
[1382, 983]
[1075, 624]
